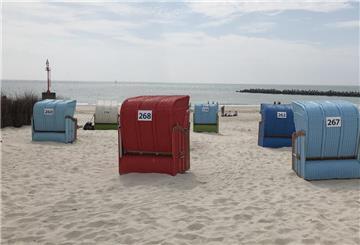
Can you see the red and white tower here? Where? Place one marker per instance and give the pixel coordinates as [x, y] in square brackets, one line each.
[48, 94]
[48, 75]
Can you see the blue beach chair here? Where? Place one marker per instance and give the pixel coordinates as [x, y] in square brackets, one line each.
[276, 126]
[53, 120]
[326, 141]
[206, 118]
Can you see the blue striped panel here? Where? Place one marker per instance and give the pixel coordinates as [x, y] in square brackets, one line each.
[56, 120]
[206, 113]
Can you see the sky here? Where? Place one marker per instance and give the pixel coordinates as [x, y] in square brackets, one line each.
[262, 42]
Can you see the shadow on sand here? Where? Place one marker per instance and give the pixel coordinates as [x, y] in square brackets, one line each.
[186, 181]
[337, 184]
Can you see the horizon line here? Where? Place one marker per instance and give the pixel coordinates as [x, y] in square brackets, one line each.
[187, 82]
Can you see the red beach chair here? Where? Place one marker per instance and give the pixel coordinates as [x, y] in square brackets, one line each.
[154, 135]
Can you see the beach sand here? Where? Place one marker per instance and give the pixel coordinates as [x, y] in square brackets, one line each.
[235, 193]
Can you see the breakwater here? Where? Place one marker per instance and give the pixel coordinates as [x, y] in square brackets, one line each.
[301, 92]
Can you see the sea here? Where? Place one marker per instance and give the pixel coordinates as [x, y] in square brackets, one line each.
[88, 93]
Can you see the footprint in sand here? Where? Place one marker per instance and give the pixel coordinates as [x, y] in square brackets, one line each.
[283, 241]
[69, 226]
[96, 224]
[284, 230]
[27, 220]
[73, 234]
[14, 215]
[221, 200]
[242, 217]
[265, 221]
[92, 235]
[187, 236]
[128, 231]
[308, 241]
[279, 213]
[195, 226]
[182, 207]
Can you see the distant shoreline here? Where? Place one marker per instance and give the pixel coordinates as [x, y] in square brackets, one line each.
[301, 92]
[90, 93]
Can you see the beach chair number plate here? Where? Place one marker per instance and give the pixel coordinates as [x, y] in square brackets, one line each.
[48, 111]
[144, 115]
[281, 114]
[333, 122]
[205, 109]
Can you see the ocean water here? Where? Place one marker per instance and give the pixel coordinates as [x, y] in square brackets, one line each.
[90, 92]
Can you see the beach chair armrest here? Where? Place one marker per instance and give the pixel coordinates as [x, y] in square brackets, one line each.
[71, 128]
[71, 118]
[295, 154]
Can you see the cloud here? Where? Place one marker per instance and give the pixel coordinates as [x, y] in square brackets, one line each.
[48, 21]
[219, 21]
[259, 27]
[93, 42]
[220, 9]
[187, 56]
[345, 24]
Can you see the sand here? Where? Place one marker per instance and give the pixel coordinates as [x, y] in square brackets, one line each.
[235, 193]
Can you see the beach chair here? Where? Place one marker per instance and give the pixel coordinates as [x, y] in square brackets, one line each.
[206, 118]
[153, 135]
[276, 126]
[106, 115]
[53, 120]
[326, 141]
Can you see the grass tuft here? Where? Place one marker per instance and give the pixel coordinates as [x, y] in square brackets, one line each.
[17, 110]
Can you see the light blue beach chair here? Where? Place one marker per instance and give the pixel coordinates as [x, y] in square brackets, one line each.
[53, 120]
[206, 117]
[326, 141]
